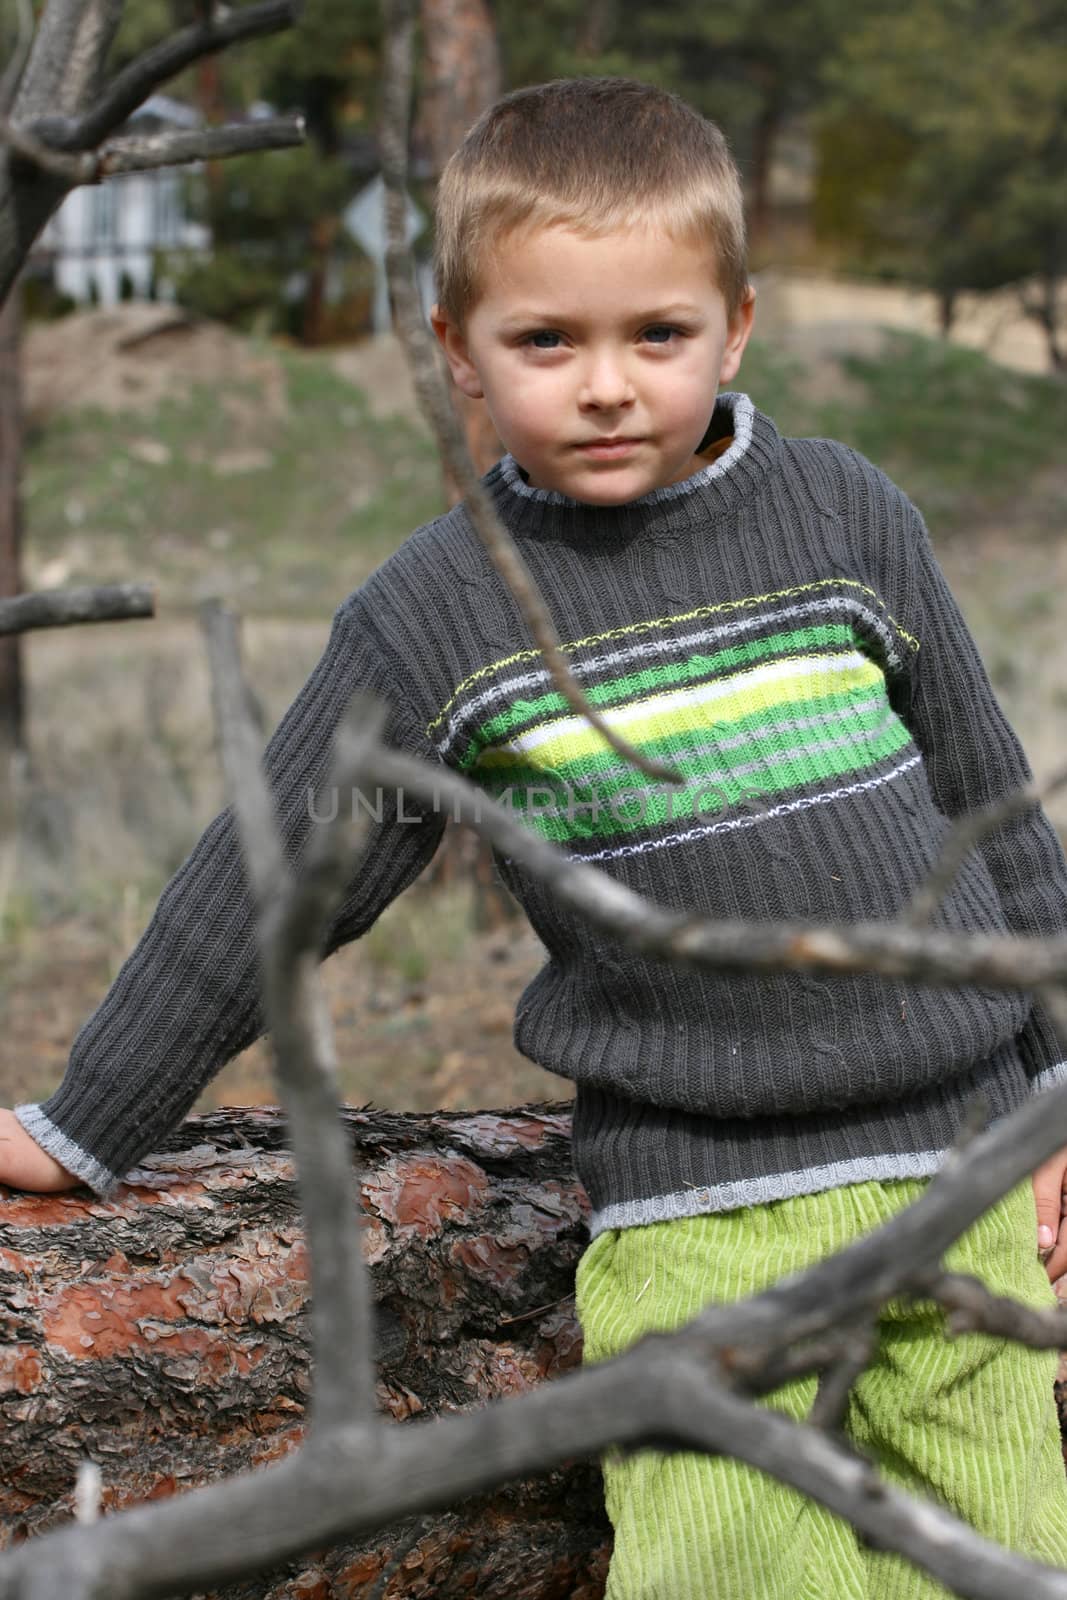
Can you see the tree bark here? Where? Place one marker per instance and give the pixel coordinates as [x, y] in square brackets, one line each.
[1050, 321]
[460, 74]
[164, 1333]
[460, 78]
[764, 140]
[596, 28]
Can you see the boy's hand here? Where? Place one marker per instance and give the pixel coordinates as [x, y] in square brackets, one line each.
[24, 1165]
[1049, 1181]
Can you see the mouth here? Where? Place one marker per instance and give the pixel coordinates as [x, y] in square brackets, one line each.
[608, 449]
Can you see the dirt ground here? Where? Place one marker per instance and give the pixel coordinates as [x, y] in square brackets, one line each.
[791, 306]
[410, 1044]
[132, 356]
[126, 778]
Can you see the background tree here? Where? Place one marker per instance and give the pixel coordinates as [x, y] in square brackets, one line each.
[960, 187]
[276, 235]
[750, 66]
[12, 710]
[61, 103]
[460, 78]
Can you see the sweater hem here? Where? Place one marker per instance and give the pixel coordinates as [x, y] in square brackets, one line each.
[681, 1165]
[760, 1191]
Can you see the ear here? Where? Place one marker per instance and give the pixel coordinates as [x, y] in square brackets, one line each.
[454, 344]
[740, 327]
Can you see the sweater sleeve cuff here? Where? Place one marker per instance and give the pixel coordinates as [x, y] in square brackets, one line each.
[1050, 1078]
[70, 1155]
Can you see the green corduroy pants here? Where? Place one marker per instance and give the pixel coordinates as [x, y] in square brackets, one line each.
[969, 1421]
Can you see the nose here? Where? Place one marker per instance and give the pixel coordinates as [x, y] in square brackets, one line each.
[606, 384]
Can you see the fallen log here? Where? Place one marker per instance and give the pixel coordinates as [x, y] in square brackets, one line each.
[164, 1335]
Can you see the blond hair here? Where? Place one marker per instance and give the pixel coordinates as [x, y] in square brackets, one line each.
[596, 155]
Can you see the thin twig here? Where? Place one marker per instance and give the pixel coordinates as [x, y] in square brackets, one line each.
[144, 153]
[420, 349]
[835, 1382]
[967, 832]
[973, 1308]
[892, 948]
[292, 915]
[62, 608]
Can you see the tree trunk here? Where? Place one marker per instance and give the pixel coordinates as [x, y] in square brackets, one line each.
[595, 29]
[460, 77]
[12, 704]
[321, 239]
[1050, 321]
[212, 106]
[1043, 309]
[764, 138]
[164, 1333]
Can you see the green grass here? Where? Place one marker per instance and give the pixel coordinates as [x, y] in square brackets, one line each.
[963, 436]
[290, 537]
[338, 489]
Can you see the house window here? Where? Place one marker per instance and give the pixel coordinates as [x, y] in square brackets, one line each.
[166, 210]
[104, 216]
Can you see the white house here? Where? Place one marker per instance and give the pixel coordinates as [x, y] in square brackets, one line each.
[105, 230]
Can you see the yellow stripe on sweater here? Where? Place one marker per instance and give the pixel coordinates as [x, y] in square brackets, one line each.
[567, 739]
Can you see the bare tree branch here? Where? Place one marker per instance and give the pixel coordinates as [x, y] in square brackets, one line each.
[132, 86]
[72, 169]
[892, 949]
[973, 1308]
[293, 915]
[142, 154]
[969, 831]
[1055, 1000]
[9, 83]
[420, 348]
[61, 608]
[831, 1398]
[59, 117]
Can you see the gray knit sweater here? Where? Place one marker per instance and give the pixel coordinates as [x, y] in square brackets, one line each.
[778, 629]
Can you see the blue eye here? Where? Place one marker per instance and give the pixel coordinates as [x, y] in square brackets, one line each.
[547, 339]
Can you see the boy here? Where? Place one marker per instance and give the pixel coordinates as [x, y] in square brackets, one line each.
[767, 616]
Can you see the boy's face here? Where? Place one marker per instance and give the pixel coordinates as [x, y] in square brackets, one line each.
[576, 341]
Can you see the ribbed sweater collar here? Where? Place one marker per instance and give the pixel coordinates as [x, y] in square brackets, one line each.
[716, 491]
